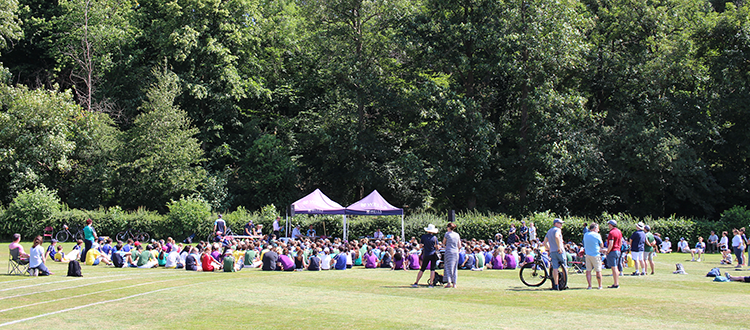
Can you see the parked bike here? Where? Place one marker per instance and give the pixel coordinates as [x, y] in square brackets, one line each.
[135, 235]
[535, 273]
[65, 234]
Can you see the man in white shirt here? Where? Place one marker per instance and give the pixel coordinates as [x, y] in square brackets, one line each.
[683, 246]
[276, 227]
[724, 241]
[666, 246]
[378, 234]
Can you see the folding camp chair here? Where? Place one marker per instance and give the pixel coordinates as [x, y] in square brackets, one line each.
[17, 266]
[48, 233]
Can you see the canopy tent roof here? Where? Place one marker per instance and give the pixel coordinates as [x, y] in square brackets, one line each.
[316, 203]
[373, 204]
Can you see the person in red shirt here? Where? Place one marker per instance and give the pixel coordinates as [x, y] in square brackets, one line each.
[207, 261]
[614, 242]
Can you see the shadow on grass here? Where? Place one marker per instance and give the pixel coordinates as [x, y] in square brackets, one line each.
[534, 289]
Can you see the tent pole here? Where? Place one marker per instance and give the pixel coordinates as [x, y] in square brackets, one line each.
[403, 236]
[344, 234]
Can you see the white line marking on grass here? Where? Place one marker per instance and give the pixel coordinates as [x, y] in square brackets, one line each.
[79, 296]
[84, 306]
[97, 303]
[70, 280]
[87, 284]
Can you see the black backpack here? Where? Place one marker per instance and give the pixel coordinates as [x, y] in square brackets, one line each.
[74, 268]
[117, 260]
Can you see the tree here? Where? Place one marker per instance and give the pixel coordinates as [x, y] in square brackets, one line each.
[36, 139]
[10, 26]
[90, 32]
[161, 157]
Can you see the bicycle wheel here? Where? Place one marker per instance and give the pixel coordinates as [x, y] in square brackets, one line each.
[142, 237]
[122, 236]
[79, 234]
[533, 274]
[62, 236]
[562, 278]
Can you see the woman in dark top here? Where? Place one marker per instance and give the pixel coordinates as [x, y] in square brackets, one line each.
[429, 254]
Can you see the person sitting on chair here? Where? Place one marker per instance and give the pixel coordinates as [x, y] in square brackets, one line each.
[311, 232]
[378, 234]
[22, 255]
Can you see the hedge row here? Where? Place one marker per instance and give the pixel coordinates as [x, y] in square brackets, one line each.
[33, 210]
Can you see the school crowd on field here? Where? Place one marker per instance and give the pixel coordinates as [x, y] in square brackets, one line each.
[254, 249]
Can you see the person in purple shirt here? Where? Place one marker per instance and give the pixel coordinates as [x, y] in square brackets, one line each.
[371, 261]
[287, 263]
[496, 260]
[510, 259]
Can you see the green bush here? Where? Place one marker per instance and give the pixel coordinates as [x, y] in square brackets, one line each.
[187, 216]
[30, 211]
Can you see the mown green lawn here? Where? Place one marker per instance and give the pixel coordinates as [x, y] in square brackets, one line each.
[158, 298]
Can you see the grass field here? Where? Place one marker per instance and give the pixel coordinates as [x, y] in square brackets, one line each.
[158, 298]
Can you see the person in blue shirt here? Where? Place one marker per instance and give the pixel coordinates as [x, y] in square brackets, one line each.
[340, 260]
[593, 245]
[637, 244]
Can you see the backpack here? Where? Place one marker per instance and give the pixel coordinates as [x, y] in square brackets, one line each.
[721, 279]
[680, 270]
[117, 260]
[714, 272]
[74, 268]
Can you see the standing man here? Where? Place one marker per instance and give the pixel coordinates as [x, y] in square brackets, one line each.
[429, 254]
[614, 243]
[276, 227]
[89, 235]
[637, 244]
[512, 234]
[523, 232]
[554, 243]
[593, 245]
[220, 226]
[713, 242]
[649, 250]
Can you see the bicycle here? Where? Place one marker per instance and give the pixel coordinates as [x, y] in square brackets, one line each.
[535, 273]
[212, 235]
[135, 235]
[63, 235]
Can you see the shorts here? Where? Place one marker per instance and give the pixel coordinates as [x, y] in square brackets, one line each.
[746, 279]
[594, 263]
[558, 259]
[426, 260]
[649, 255]
[613, 259]
[637, 255]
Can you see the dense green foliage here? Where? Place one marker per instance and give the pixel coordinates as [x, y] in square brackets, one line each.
[516, 107]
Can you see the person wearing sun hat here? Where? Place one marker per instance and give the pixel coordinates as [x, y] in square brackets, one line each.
[429, 254]
[637, 243]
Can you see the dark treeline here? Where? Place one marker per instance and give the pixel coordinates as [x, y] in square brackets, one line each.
[575, 106]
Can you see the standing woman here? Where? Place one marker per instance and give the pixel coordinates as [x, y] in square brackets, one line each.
[429, 255]
[89, 235]
[737, 247]
[452, 243]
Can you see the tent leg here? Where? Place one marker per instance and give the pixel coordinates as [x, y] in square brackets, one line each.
[403, 236]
